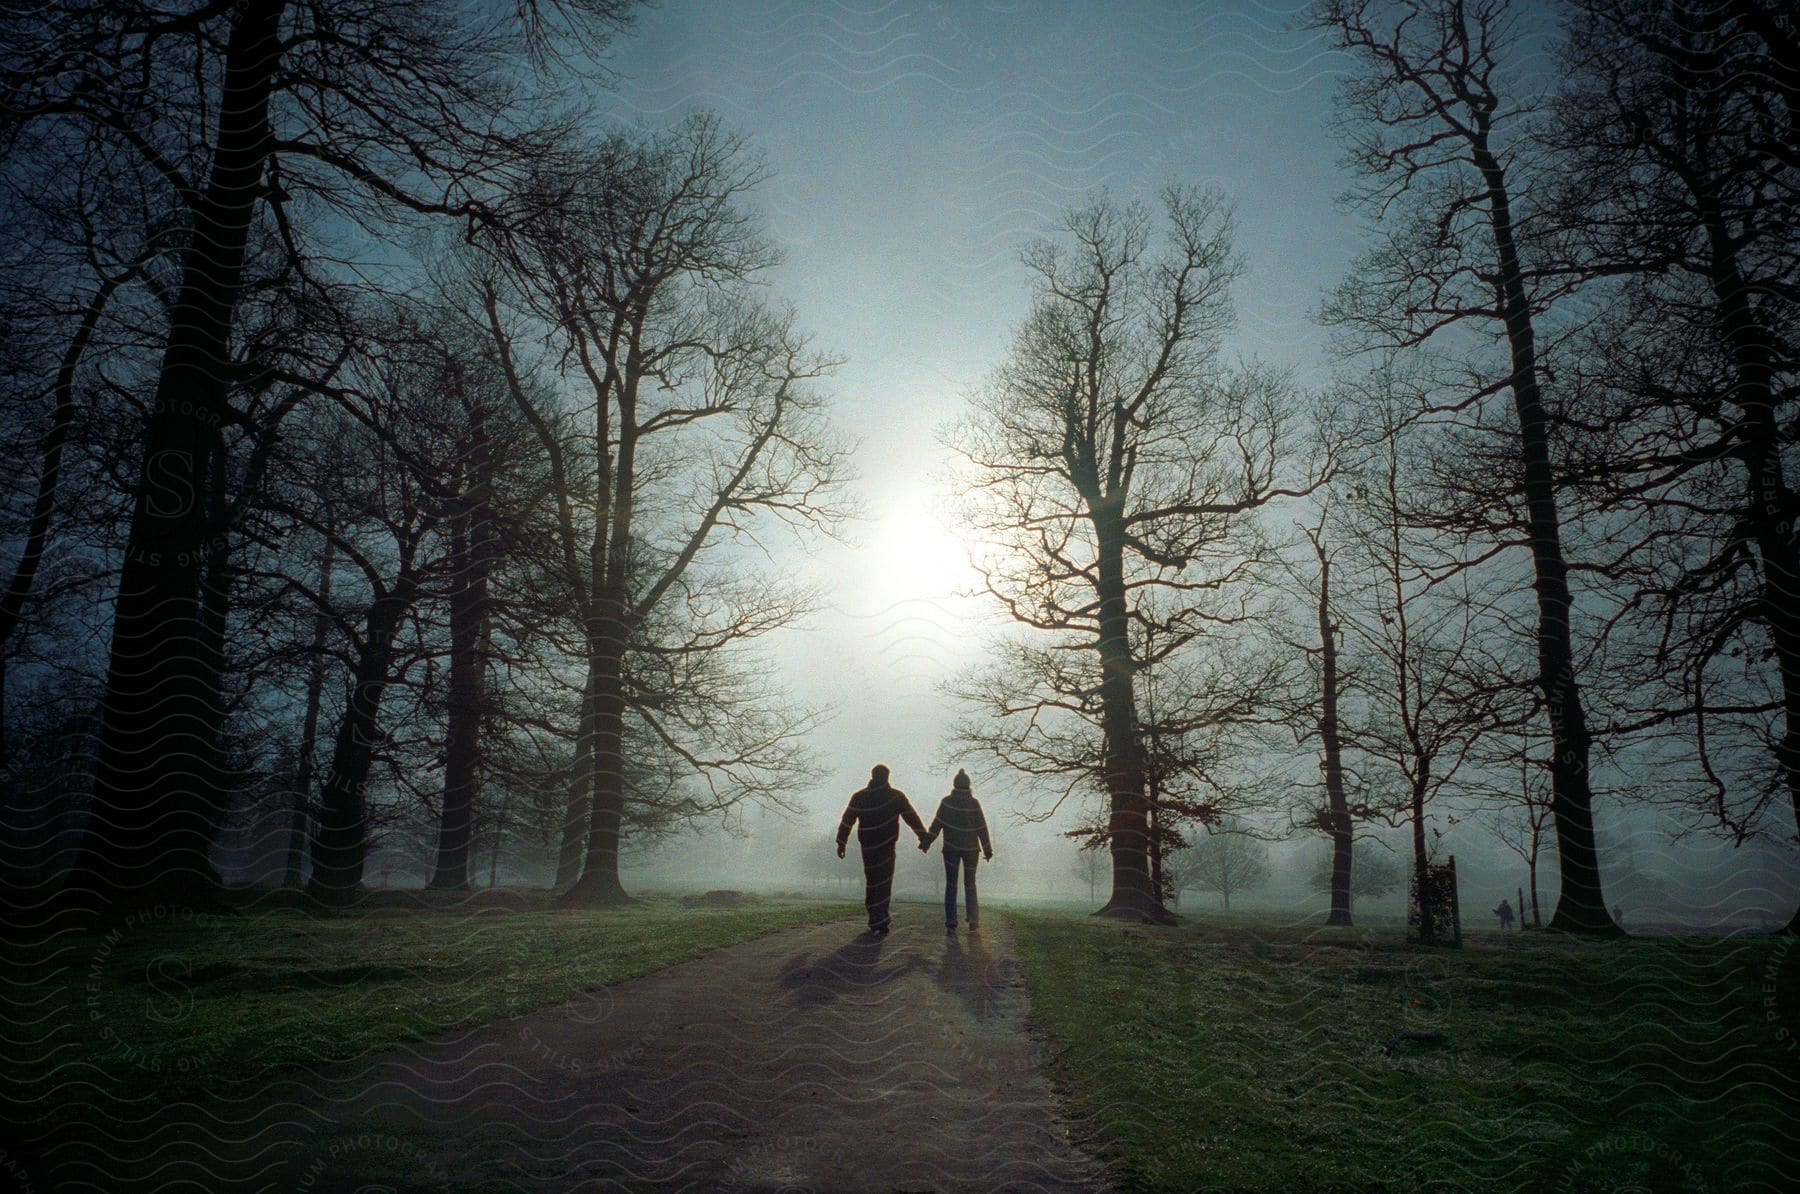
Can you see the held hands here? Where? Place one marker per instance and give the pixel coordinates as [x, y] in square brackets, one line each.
[924, 845]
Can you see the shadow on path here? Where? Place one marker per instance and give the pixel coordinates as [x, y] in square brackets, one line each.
[853, 968]
[808, 1059]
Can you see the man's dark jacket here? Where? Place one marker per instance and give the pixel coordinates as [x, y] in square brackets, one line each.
[876, 813]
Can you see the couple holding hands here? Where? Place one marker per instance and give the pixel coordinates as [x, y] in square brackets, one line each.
[876, 813]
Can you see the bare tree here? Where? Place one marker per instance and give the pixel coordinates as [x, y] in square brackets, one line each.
[1436, 133]
[1678, 137]
[1113, 464]
[1374, 875]
[251, 114]
[700, 425]
[1521, 813]
[1338, 816]
[1428, 686]
[1224, 862]
[1090, 866]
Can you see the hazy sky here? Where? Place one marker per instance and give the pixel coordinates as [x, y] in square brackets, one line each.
[915, 147]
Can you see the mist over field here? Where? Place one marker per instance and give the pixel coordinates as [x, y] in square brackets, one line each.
[899, 596]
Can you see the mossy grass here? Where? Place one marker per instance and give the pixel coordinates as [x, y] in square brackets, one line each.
[1227, 1055]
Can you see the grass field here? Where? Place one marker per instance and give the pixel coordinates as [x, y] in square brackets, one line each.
[1228, 1055]
[171, 1006]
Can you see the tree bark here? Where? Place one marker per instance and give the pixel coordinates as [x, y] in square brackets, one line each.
[599, 884]
[37, 532]
[609, 632]
[1771, 510]
[471, 561]
[1581, 904]
[581, 793]
[147, 832]
[1422, 861]
[1331, 738]
[1537, 919]
[214, 788]
[1133, 896]
[340, 847]
[301, 833]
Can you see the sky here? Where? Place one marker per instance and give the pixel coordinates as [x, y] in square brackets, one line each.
[914, 149]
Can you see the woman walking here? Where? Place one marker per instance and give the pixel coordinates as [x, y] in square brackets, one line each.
[964, 826]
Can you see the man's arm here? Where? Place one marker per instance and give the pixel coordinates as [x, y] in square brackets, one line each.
[987, 843]
[912, 818]
[844, 825]
[937, 825]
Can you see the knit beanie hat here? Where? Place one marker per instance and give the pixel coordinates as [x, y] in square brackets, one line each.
[961, 783]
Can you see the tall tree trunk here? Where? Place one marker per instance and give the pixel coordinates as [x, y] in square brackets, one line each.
[37, 532]
[147, 831]
[1537, 919]
[494, 853]
[462, 745]
[608, 634]
[1331, 738]
[1771, 509]
[599, 883]
[1580, 904]
[581, 793]
[1421, 860]
[340, 846]
[217, 581]
[1133, 896]
[471, 561]
[301, 833]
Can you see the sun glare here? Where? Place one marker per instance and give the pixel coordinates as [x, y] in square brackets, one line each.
[918, 554]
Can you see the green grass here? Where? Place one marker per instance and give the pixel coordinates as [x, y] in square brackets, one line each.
[174, 1006]
[1219, 1055]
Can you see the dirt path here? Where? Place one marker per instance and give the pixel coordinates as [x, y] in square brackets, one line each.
[817, 1058]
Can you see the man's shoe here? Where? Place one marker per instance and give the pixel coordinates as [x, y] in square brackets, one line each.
[973, 927]
[950, 928]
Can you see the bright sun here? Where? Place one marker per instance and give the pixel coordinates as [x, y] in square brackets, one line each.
[918, 553]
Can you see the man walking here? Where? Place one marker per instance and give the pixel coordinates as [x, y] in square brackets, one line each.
[876, 813]
[1505, 913]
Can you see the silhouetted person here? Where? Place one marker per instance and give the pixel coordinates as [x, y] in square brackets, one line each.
[964, 826]
[876, 812]
[1505, 913]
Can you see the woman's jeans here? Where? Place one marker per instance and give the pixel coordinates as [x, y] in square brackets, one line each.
[967, 860]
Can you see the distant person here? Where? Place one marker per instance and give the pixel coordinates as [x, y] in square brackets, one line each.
[1505, 913]
[964, 826]
[876, 813]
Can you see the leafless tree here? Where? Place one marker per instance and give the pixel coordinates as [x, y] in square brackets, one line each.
[692, 424]
[255, 114]
[1429, 684]
[1090, 866]
[1114, 464]
[1678, 136]
[1442, 141]
[1224, 862]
